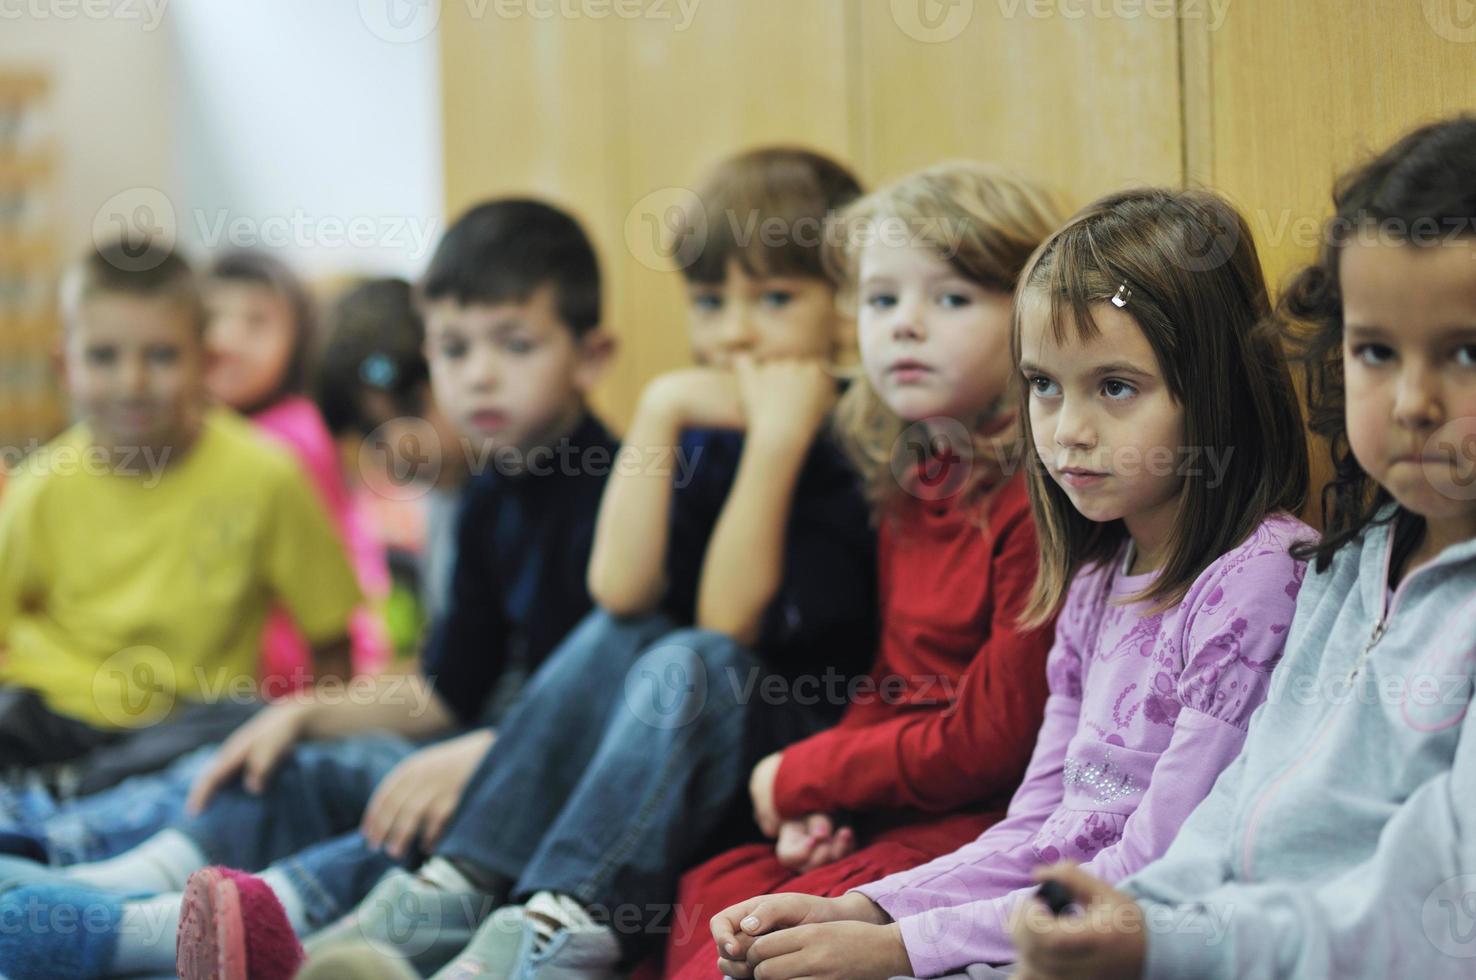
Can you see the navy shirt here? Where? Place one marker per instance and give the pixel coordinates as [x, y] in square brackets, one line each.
[825, 612]
[518, 583]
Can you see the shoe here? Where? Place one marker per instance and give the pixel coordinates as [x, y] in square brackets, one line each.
[423, 922]
[231, 927]
[359, 960]
[494, 950]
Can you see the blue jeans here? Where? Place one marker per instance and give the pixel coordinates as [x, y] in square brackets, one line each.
[624, 762]
[90, 828]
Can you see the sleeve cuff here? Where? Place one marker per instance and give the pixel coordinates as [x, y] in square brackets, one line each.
[1182, 942]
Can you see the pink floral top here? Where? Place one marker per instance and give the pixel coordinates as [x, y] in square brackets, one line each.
[1145, 710]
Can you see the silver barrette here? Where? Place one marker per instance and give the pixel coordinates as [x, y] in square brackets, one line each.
[1123, 295]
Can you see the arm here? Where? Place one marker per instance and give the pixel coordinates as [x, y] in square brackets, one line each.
[785, 404]
[627, 566]
[940, 760]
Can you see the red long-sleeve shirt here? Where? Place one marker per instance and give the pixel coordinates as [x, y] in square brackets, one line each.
[949, 716]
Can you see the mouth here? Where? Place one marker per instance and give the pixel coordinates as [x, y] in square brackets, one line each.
[488, 420]
[1422, 459]
[1080, 476]
[908, 370]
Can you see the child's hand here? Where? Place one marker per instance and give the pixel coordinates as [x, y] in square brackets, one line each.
[695, 398]
[1107, 940]
[736, 928]
[418, 797]
[830, 951]
[252, 752]
[761, 791]
[813, 842]
[789, 397]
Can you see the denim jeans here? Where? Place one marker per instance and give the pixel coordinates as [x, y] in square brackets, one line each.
[624, 762]
[90, 828]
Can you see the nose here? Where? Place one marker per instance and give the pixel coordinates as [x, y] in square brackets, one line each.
[1074, 429]
[907, 321]
[1417, 402]
[133, 375]
[735, 334]
[483, 368]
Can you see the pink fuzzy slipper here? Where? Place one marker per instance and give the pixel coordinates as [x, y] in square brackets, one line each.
[231, 927]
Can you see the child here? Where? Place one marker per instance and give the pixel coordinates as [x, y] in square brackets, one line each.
[512, 301]
[1339, 844]
[257, 340]
[958, 553]
[140, 554]
[626, 755]
[1172, 576]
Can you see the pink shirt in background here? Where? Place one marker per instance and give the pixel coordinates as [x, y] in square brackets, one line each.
[296, 423]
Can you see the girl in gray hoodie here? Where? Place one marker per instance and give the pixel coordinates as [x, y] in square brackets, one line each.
[1342, 841]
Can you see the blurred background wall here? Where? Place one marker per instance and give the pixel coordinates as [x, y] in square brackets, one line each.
[389, 116]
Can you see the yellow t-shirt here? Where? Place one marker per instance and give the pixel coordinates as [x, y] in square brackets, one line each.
[126, 588]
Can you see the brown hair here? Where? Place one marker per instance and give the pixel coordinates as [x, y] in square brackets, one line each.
[982, 221]
[1198, 295]
[260, 269]
[1425, 181]
[736, 211]
[147, 270]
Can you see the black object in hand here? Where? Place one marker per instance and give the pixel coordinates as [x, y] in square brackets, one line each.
[1055, 895]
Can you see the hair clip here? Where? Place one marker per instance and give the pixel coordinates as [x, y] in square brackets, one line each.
[378, 370]
[1123, 295]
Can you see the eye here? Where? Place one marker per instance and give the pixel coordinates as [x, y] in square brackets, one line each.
[707, 302]
[1373, 355]
[1118, 390]
[953, 301]
[453, 349]
[1042, 387]
[1465, 355]
[101, 356]
[776, 299]
[518, 345]
[163, 355]
[881, 301]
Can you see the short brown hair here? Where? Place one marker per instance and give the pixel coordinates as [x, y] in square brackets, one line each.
[148, 270]
[1198, 295]
[793, 189]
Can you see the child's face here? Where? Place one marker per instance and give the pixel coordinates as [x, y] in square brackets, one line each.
[933, 342]
[133, 371]
[1105, 425]
[248, 342]
[1409, 367]
[510, 374]
[767, 318]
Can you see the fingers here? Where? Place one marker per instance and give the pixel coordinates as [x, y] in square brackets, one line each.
[819, 826]
[773, 912]
[222, 769]
[843, 844]
[796, 845]
[261, 762]
[725, 930]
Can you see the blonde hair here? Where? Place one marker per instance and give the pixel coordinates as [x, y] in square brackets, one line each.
[984, 222]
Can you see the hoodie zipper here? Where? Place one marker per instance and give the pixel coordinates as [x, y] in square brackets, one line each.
[1386, 613]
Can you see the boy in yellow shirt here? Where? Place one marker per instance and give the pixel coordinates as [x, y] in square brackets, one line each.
[141, 550]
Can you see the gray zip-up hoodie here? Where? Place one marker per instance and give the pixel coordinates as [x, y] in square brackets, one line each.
[1342, 841]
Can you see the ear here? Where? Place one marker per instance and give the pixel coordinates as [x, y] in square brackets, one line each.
[593, 354]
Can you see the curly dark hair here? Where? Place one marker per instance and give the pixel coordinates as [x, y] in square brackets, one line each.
[1425, 182]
